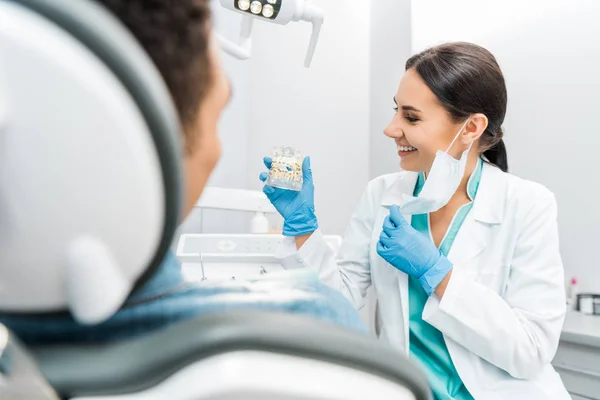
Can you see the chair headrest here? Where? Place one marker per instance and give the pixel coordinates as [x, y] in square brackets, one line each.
[90, 167]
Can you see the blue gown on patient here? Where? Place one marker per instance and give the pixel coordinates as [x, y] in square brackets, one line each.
[427, 344]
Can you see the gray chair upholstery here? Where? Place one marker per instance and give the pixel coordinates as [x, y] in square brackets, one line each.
[138, 364]
[20, 378]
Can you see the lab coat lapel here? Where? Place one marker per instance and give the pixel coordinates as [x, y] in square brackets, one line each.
[472, 239]
[395, 195]
[488, 211]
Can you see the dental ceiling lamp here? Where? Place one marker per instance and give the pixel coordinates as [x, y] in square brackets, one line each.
[277, 11]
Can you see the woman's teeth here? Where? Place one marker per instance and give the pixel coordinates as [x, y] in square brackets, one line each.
[406, 148]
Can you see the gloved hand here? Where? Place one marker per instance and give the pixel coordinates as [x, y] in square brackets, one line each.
[411, 252]
[296, 208]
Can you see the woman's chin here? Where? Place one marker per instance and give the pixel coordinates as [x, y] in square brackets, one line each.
[416, 161]
[407, 165]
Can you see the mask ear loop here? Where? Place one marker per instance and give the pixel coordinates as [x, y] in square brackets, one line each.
[457, 135]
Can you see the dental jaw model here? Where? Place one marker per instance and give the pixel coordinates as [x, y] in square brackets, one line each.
[286, 169]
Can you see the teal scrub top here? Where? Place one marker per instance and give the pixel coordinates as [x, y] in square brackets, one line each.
[427, 344]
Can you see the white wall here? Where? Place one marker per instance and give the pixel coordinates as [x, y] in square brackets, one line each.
[323, 110]
[390, 47]
[549, 51]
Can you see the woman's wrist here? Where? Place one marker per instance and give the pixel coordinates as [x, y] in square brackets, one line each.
[300, 240]
[441, 288]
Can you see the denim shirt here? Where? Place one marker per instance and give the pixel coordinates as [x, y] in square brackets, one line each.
[167, 298]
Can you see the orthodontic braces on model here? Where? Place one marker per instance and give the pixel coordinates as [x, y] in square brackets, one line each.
[286, 169]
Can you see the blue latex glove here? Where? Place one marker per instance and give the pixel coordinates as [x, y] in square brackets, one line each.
[296, 208]
[411, 252]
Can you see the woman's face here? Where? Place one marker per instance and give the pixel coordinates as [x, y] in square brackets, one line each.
[205, 152]
[421, 126]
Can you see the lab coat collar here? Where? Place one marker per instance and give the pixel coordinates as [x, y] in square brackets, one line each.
[489, 203]
[488, 209]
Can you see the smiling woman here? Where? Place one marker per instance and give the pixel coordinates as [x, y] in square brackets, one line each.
[441, 89]
[426, 237]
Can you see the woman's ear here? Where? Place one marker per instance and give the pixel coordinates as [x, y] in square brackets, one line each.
[474, 128]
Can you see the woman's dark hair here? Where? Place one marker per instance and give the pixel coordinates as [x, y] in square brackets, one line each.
[467, 79]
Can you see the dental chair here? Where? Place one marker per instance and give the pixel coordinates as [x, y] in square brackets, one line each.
[90, 194]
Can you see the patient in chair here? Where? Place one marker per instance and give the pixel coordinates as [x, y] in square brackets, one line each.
[177, 36]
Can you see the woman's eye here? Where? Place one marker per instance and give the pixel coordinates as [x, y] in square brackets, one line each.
[410, 119]
[396, 109]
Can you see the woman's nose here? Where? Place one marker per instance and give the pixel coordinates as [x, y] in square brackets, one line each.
[394, 129]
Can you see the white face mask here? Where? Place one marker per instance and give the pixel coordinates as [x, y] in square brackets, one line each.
[444, 177]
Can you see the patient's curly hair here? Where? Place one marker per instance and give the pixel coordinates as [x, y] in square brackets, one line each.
[176, 35]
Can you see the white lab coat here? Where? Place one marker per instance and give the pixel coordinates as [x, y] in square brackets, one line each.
[503, 309]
